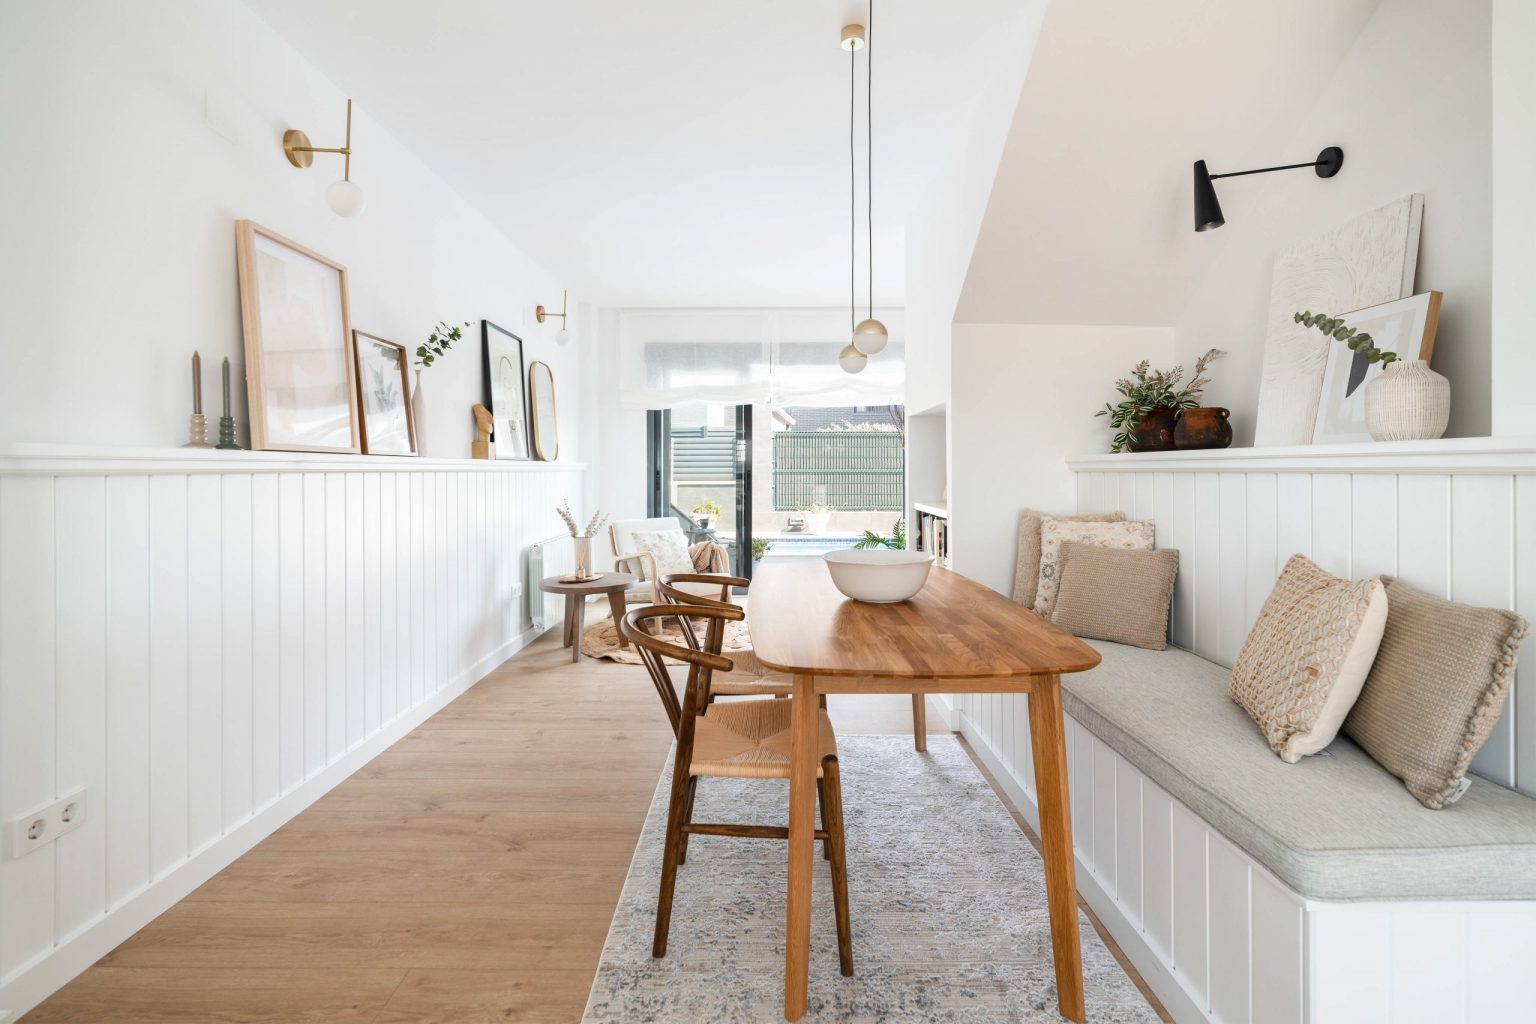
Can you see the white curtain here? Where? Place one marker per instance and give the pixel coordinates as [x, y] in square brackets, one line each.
[669, 357]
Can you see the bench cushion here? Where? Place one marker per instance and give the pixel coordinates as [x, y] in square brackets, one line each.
[1336, 826]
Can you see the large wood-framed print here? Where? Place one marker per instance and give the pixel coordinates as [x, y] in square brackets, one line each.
[1406, 328]
[506, 392]
[299, 359]
[384, 396]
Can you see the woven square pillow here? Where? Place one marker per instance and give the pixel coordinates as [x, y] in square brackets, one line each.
[1054, 531]
[1436, 690]
[1116, 595]
[1306, 658]
[668, 547]
[1026, 568]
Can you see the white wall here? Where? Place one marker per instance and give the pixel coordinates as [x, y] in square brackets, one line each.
[1025, 399]
[941, 230]
[1514, 216]
[1410, 104]
[149, 129]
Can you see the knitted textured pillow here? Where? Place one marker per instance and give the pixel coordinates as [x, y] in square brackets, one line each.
[1054, 531]
[1026, 569]
[1306, 658]
[1121, 596]
[1436, 690]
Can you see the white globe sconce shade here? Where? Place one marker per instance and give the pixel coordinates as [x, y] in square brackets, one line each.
[345, 198]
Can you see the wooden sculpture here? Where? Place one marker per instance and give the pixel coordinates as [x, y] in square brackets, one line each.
[481, 449]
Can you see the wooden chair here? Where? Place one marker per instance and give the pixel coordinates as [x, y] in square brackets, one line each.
[761, 683]
[672, 592]
[734, 739]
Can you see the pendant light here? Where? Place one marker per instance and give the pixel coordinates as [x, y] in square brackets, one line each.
[851, 358]
[870, 335]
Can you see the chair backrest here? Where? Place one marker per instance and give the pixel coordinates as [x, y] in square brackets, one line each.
[621, 531]
[692, 588]
[702, 664]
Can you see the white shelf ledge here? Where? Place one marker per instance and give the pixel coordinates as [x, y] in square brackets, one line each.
[933, 508]
[1447, 455]
[67, 459]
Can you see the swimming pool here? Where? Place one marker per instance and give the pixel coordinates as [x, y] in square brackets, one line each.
[809, 544]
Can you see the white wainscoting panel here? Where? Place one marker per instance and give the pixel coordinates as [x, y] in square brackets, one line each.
[1456, 519]
[209, 641]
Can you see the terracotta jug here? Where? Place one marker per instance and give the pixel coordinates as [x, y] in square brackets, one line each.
[1154, 431]
[1205, 427]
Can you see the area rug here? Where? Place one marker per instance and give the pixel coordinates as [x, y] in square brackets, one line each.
[601, 640]
[947, 898]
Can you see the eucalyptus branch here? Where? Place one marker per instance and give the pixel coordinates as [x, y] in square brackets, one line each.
[1338, 330]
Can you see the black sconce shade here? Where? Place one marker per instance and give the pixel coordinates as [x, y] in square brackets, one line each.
[1208, 209]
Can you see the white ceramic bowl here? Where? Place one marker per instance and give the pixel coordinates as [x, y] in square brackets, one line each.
[880, 575]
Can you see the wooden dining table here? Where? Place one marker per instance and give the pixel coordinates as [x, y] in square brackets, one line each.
[955, 636]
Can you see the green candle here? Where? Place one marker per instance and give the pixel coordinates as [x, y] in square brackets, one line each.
[226, 386]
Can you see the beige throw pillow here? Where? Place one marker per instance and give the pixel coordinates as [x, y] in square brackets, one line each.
[669, 548]
[1436, 690]
[1307, 656]
[1116, 595]
[1026, 568]
[1054, 531]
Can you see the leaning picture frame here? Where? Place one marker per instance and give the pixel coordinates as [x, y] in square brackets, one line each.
[384, 396]
[299, 358]
[506, 390]
[1404, 327]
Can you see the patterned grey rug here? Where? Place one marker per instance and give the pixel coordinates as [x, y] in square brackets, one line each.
[947, 899]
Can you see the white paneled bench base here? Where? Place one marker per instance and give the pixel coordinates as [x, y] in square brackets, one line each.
[209, 641]
[1217, 934]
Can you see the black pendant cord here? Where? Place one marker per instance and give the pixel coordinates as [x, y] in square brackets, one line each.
[869, 158]
[853, 196]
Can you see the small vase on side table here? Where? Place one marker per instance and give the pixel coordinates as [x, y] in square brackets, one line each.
[1407, 401]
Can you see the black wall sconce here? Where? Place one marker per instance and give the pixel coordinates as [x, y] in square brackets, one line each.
[1208, 210]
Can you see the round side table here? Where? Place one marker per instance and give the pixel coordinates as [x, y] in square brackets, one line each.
[611, 583]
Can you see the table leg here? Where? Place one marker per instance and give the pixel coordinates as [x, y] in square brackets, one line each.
[802, 830]
[920, 722]
[616, 606]
[1048, 739]
[578, 624]
[570, 618]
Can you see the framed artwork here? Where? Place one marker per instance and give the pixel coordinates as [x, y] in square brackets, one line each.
[1405, 327]
[384, 396]
[505, 390]
[1367, 260]
[299, 360]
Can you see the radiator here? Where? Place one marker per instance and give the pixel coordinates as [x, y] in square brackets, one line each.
[555, 556]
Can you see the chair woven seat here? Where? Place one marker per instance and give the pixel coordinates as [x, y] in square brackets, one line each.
[750, 739]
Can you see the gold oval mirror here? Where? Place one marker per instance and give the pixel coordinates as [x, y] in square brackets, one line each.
[541, 401]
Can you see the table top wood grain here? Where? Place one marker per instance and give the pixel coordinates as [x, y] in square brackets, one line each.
[954, 628]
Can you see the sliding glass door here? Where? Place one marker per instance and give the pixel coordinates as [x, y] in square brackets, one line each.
[701, 474]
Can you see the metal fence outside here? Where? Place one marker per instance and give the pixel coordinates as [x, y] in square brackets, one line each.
[846, 470]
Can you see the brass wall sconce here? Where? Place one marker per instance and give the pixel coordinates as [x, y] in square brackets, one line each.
[343, 197]
[541, 314]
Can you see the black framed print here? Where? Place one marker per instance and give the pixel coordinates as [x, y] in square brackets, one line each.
[506, 390]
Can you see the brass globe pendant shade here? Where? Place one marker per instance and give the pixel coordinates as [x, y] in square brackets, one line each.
[851, 359]
[870, 336]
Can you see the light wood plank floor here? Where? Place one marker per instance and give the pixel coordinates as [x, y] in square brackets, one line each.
[466, 875]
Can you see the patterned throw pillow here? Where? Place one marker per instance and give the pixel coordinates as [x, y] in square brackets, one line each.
[1127, 536]
[1307, 656]
[668, 547]
[1436, 690]
[1026, 566]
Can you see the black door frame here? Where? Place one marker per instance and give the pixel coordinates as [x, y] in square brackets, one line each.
[659, 476]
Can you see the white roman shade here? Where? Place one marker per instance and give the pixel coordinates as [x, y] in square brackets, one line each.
[669, 357]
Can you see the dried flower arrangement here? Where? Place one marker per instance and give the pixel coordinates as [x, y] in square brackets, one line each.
[593, 525]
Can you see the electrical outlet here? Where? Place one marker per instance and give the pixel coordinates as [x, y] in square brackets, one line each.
[45, 824]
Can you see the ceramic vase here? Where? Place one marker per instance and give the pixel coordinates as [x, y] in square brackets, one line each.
[583, 557]
[419, 415]
[1407, 401]
[1205, 427]
[1154, 431]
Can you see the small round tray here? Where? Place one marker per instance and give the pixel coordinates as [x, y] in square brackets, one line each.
[581, 579]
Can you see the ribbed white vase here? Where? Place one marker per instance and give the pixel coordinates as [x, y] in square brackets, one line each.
[1407, 402]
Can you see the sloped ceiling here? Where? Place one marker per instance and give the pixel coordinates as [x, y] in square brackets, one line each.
[671, 152]
[1090, 218]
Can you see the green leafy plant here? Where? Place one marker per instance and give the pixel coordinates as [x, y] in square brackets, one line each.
[708, 507]
[760, 547]
[897, 541]
[438, 343]
[1146, 390]
[1338, 330]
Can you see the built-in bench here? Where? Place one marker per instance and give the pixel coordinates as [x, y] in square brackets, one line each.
[1246, 889]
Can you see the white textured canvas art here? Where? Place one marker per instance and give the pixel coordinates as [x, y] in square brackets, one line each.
[1363, 262]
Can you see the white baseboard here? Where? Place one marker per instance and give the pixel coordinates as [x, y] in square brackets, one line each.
[36, 981]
